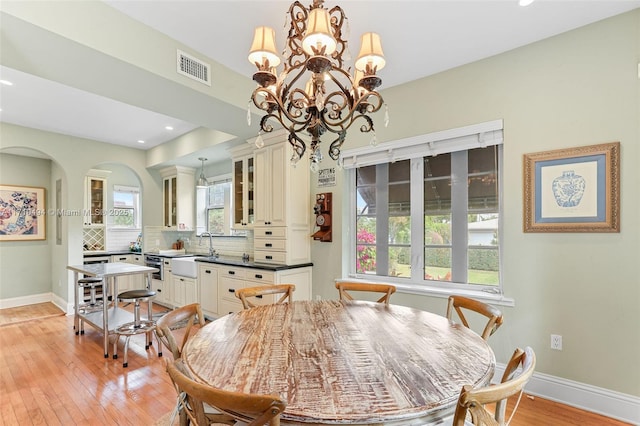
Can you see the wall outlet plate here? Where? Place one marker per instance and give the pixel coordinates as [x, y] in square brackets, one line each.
[556, 342]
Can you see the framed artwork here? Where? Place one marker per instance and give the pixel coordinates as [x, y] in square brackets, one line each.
[22, 213]
[573, 190]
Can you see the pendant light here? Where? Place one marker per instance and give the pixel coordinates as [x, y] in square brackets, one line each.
[202, 181]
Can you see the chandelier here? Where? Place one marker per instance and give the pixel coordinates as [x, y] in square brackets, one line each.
[329, 99]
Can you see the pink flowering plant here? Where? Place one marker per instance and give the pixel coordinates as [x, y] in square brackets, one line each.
[366, 253]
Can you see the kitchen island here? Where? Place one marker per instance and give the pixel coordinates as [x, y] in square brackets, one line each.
[111, 317]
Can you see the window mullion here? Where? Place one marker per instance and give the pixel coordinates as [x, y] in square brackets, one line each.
[417, 219]
[382, 219]
[459, 214]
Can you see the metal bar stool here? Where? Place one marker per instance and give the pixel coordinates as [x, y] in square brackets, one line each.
[138, 326]
[93, 305]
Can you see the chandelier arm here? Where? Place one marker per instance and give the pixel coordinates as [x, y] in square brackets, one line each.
[334, 148]
[337, 20]
[298, 16]
[296, 143]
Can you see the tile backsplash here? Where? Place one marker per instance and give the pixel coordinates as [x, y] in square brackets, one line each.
[156, 238]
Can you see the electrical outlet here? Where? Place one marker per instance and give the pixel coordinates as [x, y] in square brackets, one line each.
[556, 342]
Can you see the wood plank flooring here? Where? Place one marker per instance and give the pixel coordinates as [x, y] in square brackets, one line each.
[50, 376]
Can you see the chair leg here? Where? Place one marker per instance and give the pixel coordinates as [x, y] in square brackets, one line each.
[159, 343]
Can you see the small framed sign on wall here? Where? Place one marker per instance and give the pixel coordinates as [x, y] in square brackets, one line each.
[573, 190]
[22, 213]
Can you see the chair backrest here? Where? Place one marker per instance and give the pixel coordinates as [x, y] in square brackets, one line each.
[471, 401]
[258, 291]
[494, 315]
[344, 287]
[189, 315]
[253, 409]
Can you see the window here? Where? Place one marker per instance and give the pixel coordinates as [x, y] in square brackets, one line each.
[126, 207]
[427, 210]
[214, 207]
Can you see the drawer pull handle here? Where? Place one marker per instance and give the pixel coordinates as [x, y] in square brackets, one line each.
[123, 258]
[232, 272]
[207, 271]
[259, 296]
[268, 245]
[259, 276]
[231, 290]
[268, 233]
[269, 257]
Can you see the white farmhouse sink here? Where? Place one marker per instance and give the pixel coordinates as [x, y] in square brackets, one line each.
[184, 267]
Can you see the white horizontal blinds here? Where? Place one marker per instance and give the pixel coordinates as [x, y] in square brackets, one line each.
[452, 140]
[126, 189]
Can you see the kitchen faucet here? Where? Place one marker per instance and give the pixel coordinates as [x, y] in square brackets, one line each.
[212, 252]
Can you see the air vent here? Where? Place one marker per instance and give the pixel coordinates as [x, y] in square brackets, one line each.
[194, 68]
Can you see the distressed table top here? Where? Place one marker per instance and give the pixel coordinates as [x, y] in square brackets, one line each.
[343, 363]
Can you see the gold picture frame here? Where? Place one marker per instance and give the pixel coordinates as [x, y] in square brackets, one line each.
[22, 213]
[573, 189]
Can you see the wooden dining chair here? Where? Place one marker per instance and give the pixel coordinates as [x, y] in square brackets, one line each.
[344, 287]
[183, 318]
[460, 303]
[472, 401]
[244, 294]
[252, 409]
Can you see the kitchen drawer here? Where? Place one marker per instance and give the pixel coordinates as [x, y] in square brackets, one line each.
[270, 232]
[270, 244]
[227, 289]
[229, 271]
[260, 277]
[268, 256]
[227, 306]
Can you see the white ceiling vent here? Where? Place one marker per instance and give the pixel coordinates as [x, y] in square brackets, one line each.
[193, 68]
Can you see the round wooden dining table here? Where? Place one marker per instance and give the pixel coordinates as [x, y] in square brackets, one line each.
[335, 362]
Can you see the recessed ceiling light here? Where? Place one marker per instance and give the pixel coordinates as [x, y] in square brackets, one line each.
[168, 127]
[140, 141]
[525, 2]
[6, 82]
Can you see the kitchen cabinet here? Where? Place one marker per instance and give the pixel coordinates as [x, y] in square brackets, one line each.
[178, 198]
[159, 287]
[208, 287]
[185, 291]
[95, 197]
[130, 282]
[243, 187]
[167, 282]
[283, 211]
[231, 278]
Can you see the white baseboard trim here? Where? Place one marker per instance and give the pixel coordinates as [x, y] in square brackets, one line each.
[598, 400]
[37, 298]
[26, 300]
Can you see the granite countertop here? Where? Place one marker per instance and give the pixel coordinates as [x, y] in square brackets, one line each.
[237, 261]
[95, 253]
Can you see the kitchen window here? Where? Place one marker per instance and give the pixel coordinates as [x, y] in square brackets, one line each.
[126, 207]
[427, 209]
[214, 207]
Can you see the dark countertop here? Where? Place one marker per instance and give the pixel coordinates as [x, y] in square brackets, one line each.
[229, 261]
[107, 253]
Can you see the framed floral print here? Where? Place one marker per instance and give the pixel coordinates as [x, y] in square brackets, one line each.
[22, 213]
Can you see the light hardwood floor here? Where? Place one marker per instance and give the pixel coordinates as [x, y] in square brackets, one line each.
[50, 376]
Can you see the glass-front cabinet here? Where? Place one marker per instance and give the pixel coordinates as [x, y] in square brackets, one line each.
[95, 197]
[178, 198]
[243, 192]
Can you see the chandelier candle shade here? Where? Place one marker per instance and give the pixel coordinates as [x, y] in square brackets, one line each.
[316, 93]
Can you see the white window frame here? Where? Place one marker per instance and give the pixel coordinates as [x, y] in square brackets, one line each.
[137, 216]
[415, 149]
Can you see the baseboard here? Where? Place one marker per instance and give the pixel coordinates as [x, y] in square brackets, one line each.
[586, 397]
[26, 300]
[37, 298]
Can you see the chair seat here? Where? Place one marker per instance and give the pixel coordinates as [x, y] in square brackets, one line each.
[89, 281]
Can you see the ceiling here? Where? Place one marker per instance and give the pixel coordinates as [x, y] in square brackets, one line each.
[420, 38]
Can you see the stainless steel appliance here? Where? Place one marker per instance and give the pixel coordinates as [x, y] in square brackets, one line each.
[155, 262]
